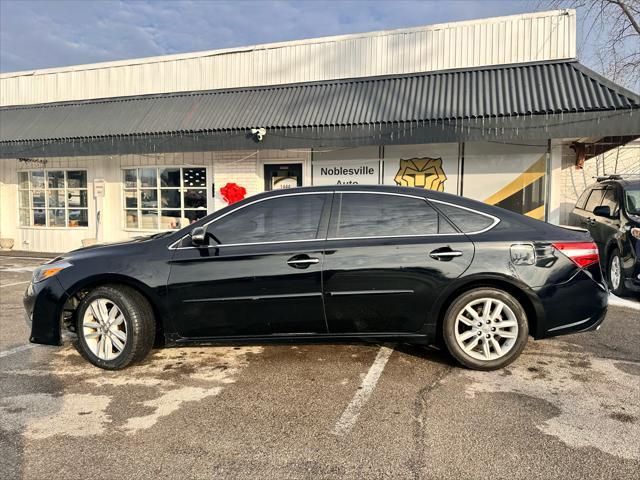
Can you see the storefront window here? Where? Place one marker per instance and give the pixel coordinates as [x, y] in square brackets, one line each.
[53, 198]
[164, 198]
[507, 175]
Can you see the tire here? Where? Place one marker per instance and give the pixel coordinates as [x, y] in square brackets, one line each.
[616, 282]
[477, 334]
[128, 333]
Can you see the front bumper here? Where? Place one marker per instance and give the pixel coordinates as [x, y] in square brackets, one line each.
[43, 303]
[632, 280]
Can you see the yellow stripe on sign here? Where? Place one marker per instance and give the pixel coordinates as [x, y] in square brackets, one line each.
[533, 173]
[537, 213]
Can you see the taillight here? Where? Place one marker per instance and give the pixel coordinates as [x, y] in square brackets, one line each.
[582, 254]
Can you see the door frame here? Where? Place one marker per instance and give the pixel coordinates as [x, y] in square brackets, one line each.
[305, 162]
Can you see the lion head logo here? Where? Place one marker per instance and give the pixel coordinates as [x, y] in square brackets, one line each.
[422, 172]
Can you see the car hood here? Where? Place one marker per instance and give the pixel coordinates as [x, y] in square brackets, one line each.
[109, 248]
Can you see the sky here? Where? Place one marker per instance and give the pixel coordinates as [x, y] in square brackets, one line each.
[40, 34]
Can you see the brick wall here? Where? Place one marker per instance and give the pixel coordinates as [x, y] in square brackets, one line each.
[246, 168]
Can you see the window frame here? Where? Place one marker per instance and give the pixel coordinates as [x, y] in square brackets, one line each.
[321, 233]
[602, 190]
[323, 223]
[181, 189]
[328, 205]
[583, 198]
[616, 198]
[45, 189]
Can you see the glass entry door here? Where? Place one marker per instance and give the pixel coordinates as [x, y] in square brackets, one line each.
[279, 176]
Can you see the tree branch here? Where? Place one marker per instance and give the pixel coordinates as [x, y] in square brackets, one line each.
[625, 10]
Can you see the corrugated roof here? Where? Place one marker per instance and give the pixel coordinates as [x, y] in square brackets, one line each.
[527, 89]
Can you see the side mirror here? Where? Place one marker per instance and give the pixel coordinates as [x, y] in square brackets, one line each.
[199, 236]
[602, 211]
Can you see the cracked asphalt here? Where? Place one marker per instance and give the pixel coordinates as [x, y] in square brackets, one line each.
[568, 408]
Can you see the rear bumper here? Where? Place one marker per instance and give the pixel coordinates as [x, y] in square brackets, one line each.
[43, 304]
[575, 306]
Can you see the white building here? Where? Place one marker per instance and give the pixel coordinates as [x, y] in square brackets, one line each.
[497, 109]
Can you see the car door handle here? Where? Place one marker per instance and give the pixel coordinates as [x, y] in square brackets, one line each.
[302, 261]
[445, 254]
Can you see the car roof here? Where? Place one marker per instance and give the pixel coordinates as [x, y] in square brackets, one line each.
[414, 191]
[419, 192]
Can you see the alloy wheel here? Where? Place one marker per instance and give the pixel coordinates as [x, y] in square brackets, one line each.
[615, 272]
[104, 328]
[486, 329]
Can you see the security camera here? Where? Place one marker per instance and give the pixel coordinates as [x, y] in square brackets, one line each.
[259, 133]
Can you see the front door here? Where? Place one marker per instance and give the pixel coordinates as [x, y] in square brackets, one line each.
[387, 259]
[281, 176]
[260, 276]
[604, 229]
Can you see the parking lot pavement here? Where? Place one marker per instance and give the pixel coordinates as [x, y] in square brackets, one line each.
[568, 408]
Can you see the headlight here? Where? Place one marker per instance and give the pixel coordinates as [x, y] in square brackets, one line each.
[49, 270]
[636, 232]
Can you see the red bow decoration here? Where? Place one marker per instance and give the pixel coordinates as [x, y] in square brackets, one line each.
[232, 193]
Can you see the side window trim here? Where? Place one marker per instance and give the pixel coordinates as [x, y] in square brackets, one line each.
[582, 200]
[338, 205]
[175, 245]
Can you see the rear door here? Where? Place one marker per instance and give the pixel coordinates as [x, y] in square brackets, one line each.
[586, 218]
[576, 216]
[387, 257]
[605, 228]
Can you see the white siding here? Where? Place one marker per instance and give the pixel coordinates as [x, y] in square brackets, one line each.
[493, 41]
[243, 167]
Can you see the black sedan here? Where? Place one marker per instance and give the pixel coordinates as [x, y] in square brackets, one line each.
[328, 263]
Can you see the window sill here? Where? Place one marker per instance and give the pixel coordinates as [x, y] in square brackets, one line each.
[149, 230]
[55, 228]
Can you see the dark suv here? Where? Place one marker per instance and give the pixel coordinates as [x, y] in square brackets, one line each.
[610, 210]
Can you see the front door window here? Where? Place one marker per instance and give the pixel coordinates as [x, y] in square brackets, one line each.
[281, 219]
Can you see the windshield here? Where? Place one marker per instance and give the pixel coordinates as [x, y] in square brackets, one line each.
[633, 201]
[162, 234]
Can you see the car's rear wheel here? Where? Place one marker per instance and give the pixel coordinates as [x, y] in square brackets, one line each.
[615, 273]
[485, 329]
[116, 326]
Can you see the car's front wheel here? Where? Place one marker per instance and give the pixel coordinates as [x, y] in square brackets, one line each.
[616, 273]
[116, 326]
[485, 329]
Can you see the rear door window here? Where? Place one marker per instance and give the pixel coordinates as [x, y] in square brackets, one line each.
[594, 199]
[583, 198]
[467, 221]
[357, 215]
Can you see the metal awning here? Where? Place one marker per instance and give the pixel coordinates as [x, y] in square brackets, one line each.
[510, 94]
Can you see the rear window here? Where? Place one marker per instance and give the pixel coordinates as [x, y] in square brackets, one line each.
[594, 200]
[466, 220]
[375, 215]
